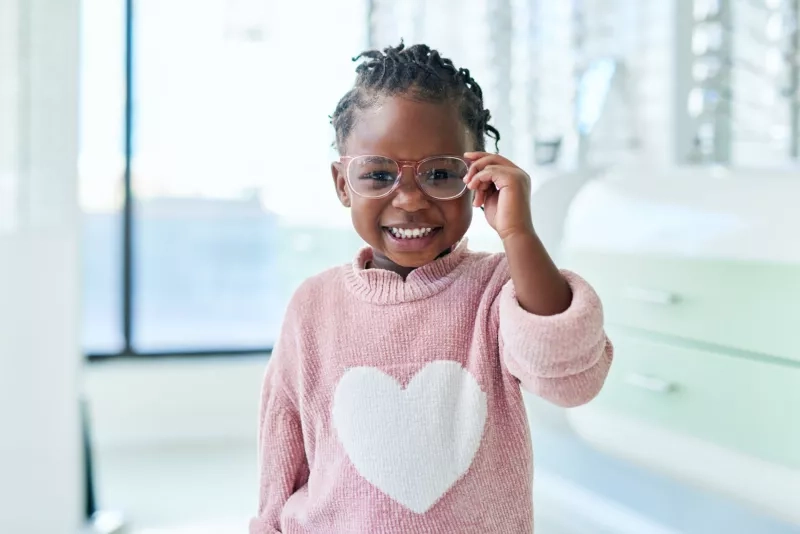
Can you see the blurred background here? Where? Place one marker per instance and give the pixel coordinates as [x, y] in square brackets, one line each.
[164, 187]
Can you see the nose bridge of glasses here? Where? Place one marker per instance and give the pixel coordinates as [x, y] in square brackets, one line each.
[408, 189]
[410, 176]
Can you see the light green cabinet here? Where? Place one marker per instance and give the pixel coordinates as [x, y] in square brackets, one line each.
[698, 269]
[747, 306]
[706, 348]
[744, 405]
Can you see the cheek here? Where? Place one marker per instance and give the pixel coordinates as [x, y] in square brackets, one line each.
[365, 214]
[466, 204]
[459, 211]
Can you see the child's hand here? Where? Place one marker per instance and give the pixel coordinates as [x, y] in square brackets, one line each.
[503, 190]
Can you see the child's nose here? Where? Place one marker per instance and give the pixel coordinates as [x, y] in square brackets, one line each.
[409, 196]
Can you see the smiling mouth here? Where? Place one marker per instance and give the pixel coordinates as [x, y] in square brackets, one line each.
[411, 233]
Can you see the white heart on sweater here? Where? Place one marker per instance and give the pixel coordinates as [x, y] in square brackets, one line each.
[413, 444]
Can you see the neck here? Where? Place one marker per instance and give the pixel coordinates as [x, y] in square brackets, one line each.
[380, 261]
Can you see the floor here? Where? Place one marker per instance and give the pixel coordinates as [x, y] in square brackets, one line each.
[210, 489]
[198, 489]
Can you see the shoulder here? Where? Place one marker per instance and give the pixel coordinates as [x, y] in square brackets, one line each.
[305, 321]
[489, 269]
[316, 290]
[487, 260]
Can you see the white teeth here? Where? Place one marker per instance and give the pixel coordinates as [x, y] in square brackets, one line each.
[407, 233]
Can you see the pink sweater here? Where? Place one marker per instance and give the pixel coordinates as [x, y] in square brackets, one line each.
[394, 406]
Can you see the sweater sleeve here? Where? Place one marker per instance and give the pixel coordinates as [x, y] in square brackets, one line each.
[283, 467]
[563, 358]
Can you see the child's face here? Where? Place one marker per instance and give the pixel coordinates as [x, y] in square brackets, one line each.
[408, 130]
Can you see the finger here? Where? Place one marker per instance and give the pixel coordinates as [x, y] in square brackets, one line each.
[478, 164]
[475, 154]
[493, 175]
[479, 183]
[474, 157]
[477, 200]
[482, 176]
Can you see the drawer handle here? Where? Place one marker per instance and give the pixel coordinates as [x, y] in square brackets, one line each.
[652, 296]
[650, 383]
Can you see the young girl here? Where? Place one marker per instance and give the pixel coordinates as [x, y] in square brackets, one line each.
[392, 400]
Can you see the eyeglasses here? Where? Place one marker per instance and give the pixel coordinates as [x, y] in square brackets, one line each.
[439, 177]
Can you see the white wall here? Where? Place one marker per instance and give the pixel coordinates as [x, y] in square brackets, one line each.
[40, 461]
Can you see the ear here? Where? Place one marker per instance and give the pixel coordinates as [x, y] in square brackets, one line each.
[340, 183]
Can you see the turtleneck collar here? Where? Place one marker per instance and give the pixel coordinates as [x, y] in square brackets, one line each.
[381, 286]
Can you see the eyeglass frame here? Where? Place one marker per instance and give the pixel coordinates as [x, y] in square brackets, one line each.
[401, 164]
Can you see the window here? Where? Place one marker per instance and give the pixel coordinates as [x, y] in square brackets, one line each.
[231, 204]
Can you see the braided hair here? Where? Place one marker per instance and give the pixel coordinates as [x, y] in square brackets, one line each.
[421, 73]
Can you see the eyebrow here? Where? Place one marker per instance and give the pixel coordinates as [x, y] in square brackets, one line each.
[373, 158]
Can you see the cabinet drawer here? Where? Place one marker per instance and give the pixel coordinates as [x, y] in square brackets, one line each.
[748, 306]
[744, 405]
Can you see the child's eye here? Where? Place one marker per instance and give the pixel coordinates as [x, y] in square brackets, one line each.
[439, 174]
[378, 176]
